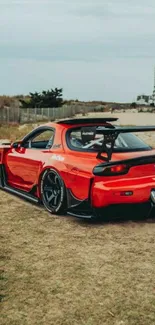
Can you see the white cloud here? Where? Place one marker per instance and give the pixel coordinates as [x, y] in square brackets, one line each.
[70, 32]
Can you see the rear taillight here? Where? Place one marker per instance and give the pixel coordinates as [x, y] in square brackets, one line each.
[115, 170]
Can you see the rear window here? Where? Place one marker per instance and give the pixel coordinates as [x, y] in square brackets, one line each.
[90, 138]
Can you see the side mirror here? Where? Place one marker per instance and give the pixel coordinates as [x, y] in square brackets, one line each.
[16, 145]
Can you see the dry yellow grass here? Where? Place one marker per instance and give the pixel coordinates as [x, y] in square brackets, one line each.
[60, 270]
[14, 132]
[63, 271]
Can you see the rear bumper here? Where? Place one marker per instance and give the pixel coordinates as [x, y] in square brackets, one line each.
[115, 211]
[122, 191]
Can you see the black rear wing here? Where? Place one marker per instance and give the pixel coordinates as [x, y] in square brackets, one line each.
[143, 160]
[130, 129]
[90, 121]
[111, 134]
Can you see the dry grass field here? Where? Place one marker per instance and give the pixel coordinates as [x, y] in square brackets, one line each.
[64, 271]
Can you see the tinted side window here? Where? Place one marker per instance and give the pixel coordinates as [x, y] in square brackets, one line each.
[43, 136]
[130, 141]
[42, 140]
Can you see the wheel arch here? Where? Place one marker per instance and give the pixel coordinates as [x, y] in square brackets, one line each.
[62, 204]
[46, 168]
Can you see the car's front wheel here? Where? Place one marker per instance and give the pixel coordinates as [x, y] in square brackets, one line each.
[53, 192]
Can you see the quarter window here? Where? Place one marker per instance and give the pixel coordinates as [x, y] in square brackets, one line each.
[90, 138]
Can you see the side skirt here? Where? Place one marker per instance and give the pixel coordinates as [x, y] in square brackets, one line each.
[76, 208]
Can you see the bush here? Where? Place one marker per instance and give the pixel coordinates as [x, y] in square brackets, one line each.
[49, 98]
[133, 105]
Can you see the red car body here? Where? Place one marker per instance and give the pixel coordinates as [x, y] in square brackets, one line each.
[94, 179]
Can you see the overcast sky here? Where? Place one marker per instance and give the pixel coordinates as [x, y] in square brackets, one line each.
[93, 49]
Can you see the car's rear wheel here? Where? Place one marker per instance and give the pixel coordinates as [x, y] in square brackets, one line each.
[53, 192]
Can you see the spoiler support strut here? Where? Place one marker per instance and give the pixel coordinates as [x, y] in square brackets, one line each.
[108, 146]
[110, 136]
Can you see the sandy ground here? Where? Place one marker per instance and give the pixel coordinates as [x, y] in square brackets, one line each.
[133, 119]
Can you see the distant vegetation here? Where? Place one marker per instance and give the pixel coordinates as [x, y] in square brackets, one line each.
[133, 105]
[53, 98]
[6, 101]
[49, 98]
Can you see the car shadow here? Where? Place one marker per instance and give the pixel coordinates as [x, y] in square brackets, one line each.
[117, 219]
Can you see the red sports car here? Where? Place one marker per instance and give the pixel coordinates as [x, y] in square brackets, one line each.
[85, 167]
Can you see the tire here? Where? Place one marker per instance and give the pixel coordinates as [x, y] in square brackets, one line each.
[53, 192]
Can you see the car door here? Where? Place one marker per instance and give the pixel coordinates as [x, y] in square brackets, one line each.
[23, 164]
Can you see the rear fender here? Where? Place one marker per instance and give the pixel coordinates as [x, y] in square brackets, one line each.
[56, 162]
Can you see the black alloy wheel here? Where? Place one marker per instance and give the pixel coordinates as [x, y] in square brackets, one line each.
[53, 192]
